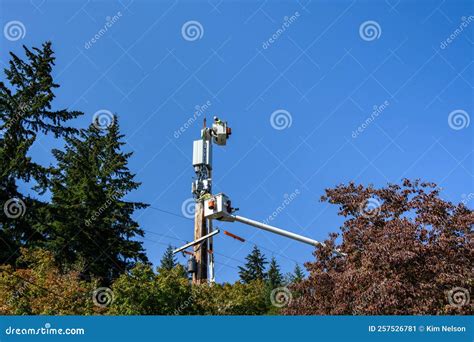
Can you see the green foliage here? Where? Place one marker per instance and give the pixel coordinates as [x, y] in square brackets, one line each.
[274, 276]
[254, 268]
[298, 274]
[143, 292]
[168, 261]
[231, 299]
[88, 219]
[25, 111]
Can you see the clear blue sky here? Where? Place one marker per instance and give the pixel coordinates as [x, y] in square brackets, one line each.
[322, 69]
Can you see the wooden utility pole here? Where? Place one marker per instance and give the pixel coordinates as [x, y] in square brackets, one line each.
[200, 250]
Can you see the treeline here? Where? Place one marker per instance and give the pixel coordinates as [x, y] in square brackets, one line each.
[43, 289]
[87, 223]
[406, 250]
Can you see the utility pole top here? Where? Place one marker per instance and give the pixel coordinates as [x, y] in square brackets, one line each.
[201, 263]
[211, 207]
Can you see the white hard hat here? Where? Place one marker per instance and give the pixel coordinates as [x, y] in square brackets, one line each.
[215, 118]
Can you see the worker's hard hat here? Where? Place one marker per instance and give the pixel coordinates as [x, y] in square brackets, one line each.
[216, 118]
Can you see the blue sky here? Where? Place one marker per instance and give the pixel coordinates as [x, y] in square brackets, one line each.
[323, 73]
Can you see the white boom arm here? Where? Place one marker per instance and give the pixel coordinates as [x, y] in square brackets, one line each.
[282, 232]
[277, 231]
[218, 207]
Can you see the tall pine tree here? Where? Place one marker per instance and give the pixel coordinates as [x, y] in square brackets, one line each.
[26, 98]
[255, 266]
[89, 220]
[275, 278]
[168, 261]
[298, 274]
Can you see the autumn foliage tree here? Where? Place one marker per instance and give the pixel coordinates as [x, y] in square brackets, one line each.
[40, 288]
[407, 250]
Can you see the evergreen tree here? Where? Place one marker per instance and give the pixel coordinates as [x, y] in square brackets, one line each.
[168, 261]
[298, 274]
[25, 111]
[254, 268]
[89, 221]
[275, 278]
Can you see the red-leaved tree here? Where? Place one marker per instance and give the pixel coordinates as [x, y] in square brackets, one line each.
[409, 252]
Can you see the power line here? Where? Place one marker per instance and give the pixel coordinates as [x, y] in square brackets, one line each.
[158, 242]
[274, 252]
[231, 258]
[227, 265]
[171, 213]
[164, 235]
[250, 241]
